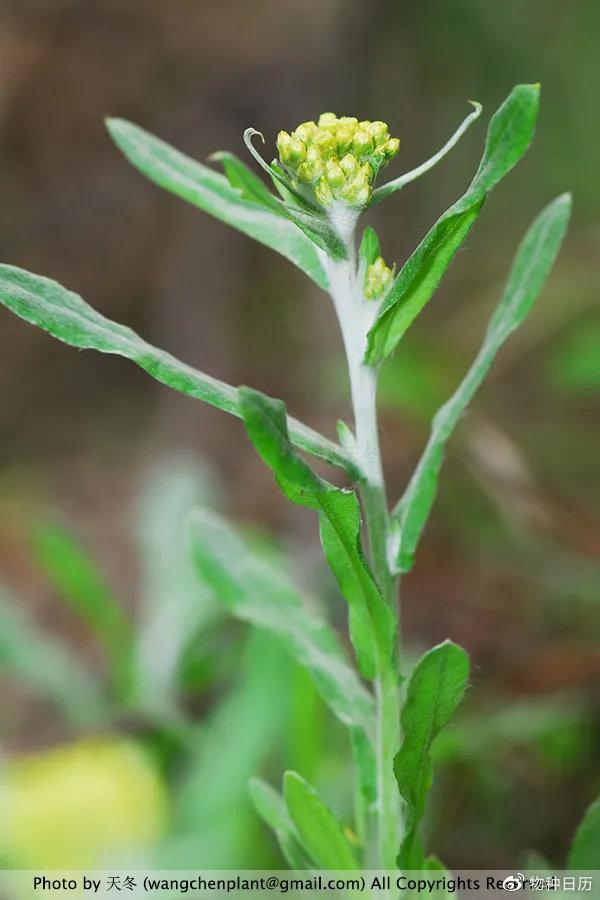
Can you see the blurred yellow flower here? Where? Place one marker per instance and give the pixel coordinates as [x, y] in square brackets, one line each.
[73, 806]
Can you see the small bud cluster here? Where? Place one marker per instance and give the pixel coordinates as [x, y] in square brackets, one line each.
[378, 279]
[338, 158]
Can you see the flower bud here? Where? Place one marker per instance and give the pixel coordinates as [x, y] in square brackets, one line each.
[291, 150]
[356, 191]
[345, 136]
[283, 141]
[362, 143]
[349, 165]
[362, 194]
[325, 142]
[335, 174]
[312, 166]
[328, 120]
[379, 132]
[305, 132]
[323, 192]
[378, 279]
[348, 121]
[391, 147]
[297, 152]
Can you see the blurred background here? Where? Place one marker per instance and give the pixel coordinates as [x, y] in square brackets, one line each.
[98, 463]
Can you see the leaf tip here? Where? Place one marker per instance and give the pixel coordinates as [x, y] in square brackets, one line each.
[254, 786]
[345, 435]
[529, 87]
[456, 647]
[248, 394]
[458, 652]
[291, 779]
[250, 132]
[565, 199]
[560, 208]
[114, 124]
[528, 93]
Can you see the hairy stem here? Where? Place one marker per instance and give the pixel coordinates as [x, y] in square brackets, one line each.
[355, 316]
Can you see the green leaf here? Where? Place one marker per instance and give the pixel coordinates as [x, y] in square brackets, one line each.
[370, 247]
[244, 180]
[385, 190]
[319, 231]
[314, 225]
[45, 664]
[285, 189]
[64, 315]
[509, 135]
[442, 877]
[534, 860]
[365, 798]
[175, 608]
[531, 267]
[435, 689]
[211, 192]
[270, 806]
[433, 864]
[371, 621]
[585, 850]
[77, 580]
[257, 591]
[211, 805]
[320, 832]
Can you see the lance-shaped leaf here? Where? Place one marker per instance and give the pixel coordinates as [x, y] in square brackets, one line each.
[211, 810]
[78, 581]
[585, 851]
[66, 316]
[370, 248]
[531, 267]
[270, 806]
[509, 135]
[174, 606]
[320, 832]
[212, 192]
[243, 179]
[371, 621]
[435, 689]
[386, 190]
[257, 591]
[47, 666]
[365, 798]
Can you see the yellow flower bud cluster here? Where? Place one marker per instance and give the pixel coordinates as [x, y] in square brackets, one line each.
[338, 158]
[378, 279]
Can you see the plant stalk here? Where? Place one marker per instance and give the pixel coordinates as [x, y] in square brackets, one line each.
[355, 316]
